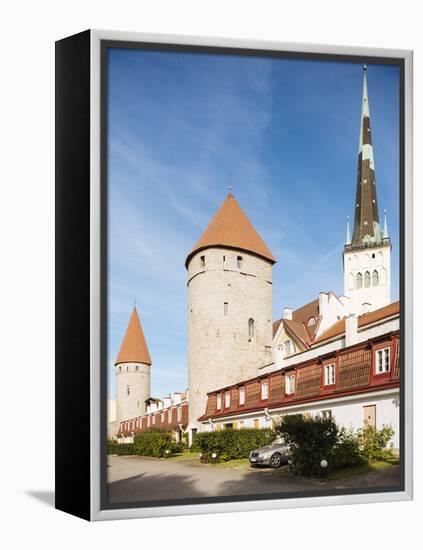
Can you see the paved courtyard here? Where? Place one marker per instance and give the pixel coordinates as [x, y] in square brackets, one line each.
[140, 478]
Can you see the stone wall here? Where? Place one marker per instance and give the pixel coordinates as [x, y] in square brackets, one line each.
[221, 349]
[136, 377]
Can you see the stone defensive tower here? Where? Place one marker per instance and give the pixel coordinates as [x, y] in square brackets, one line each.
[367, 256]
[229, 306]
[132, 368]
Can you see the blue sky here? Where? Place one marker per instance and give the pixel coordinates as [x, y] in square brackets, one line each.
[287, 131]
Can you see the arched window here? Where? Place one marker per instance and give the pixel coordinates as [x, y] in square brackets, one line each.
[250, 328]
[367, 279]
[288, 349]
[311, 322]
[375, 278]
[359, 280]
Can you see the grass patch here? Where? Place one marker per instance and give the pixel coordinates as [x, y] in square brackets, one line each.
[184, 456]
[232, 463]
[352, 471]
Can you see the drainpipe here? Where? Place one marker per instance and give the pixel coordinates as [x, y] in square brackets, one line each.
[211, 424]
[266, 412]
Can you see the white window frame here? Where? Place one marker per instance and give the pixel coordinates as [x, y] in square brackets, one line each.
[290, 384]
[326, 413]
[330, 374]
[219, 401]
[384, 364]
[241, 396]
[264, 390]
[179, 414]
[227, 399]
[288, 348]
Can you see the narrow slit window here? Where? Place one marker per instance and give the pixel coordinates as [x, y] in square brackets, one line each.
[239, 262]
[225, 308]
[203, 261]
[250, 328]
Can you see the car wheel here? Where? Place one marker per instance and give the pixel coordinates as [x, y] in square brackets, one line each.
[275, 460]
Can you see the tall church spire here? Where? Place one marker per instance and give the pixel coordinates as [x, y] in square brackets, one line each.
[367, 229]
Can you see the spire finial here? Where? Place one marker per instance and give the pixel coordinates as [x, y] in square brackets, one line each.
[385, 226]
[348, 236]
[364, 67]
[135, 303]
[230, 184]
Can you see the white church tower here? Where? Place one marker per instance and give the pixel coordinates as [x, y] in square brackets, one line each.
[367, 255]
[132, 369]
[229, 307]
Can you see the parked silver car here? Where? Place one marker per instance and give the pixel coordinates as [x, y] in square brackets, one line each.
[273, 455]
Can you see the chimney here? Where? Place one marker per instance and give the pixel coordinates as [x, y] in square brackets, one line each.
[287, 313]
[351, 326]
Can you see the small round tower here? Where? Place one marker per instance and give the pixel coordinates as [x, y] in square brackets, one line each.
[229, 306]
[132, 369]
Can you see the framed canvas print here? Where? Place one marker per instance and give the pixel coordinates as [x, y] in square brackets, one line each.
[234, 292]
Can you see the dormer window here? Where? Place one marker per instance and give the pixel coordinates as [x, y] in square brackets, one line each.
[311, 322]
[290, 384]
[242, 396]
[329, 374]
[218, 401]
[239, 262]
[227, 399]
[382, 360]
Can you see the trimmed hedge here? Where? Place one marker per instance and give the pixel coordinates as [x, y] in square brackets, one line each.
[230, 444]
[151, 442]
[155, 442]
[114, 448]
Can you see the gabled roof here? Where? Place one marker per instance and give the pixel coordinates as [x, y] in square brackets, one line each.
[297, 326]
[134, 347]
[231, 228]
[338, 328]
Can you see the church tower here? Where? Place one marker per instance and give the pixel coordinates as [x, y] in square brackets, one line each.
[229, 306]
[132, 369]
[367, 255]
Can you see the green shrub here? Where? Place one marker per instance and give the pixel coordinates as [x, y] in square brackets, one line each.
[115, 448]
[373, 443]
[154, 442]
[311, 439]
[346, 451]
[230, 444]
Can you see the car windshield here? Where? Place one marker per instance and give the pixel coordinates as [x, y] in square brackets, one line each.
[279, 441]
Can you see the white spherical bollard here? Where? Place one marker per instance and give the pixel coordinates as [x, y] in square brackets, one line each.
[214, 455]
[323, 463]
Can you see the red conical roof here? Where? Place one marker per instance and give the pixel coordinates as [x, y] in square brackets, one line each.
[231, 228]
[134, 347]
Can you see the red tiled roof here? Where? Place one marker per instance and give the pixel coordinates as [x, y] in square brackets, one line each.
[338, 328]
[134, 347]
[230, 227]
